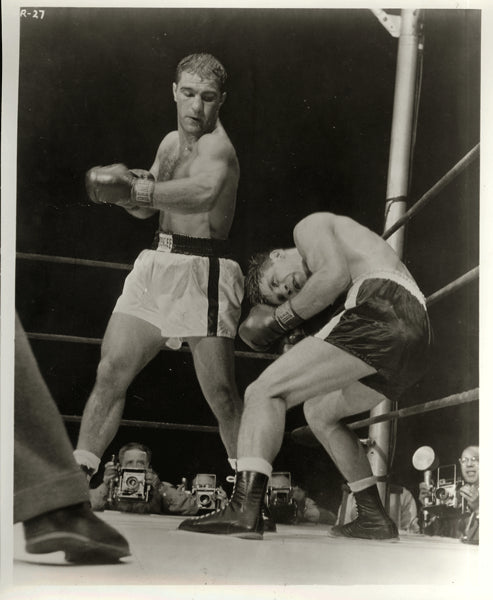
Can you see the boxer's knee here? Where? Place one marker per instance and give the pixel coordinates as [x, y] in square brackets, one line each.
[323, 415]
[262, 391]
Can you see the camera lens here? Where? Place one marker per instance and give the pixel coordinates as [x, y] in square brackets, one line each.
[205, 500]
[441, 493]
[132, 482]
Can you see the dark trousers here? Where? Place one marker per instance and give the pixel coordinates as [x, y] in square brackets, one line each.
[46, 476]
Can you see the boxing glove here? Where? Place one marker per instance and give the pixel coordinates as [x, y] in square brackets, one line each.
[142, 174]
[110, 185]
[261, 329]
[291, 339]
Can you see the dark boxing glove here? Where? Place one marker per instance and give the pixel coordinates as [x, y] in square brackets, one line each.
[260, 329]
[291, 339]
[266, 324]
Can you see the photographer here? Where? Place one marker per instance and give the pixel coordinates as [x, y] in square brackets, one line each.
[161, 497]
[461, 522]
[307, 510]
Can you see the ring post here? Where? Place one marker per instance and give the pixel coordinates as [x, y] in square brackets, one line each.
[397, 191]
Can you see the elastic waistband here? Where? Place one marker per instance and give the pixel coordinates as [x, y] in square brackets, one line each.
[184, 244]
[395, 276]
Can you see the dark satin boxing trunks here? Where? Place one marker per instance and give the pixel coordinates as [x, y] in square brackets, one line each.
[384, 322]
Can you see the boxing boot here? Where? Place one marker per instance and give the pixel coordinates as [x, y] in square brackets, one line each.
[269, 523]
[372, 522]
[76, 531]
[241, 516]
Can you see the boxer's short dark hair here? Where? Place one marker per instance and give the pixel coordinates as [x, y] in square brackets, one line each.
[205, 65]
[256, 268]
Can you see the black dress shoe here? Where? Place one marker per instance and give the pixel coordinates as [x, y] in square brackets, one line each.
[76, 531]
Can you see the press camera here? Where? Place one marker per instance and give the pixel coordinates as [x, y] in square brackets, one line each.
[442, 481]
[442, 507]
[205, 492]
[279, 489]
[131, 485]
[279, 498]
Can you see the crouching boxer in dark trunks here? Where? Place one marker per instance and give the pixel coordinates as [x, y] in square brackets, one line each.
[374, 348]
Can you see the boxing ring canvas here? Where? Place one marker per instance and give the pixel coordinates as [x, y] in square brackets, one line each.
[309, 111]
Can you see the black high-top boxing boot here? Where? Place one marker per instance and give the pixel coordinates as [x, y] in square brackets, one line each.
[269, 523]
[242, 515]
[372, 522]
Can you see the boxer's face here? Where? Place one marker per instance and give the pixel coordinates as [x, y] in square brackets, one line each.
[134, 459]
[284, 277]
[198, 101]
[469, 464]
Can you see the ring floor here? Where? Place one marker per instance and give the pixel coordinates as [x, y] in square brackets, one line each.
[295, 555]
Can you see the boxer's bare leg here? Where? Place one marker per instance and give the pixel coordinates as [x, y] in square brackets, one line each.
[311, 369]
[129, 344]
[213, 359]
[323, 415]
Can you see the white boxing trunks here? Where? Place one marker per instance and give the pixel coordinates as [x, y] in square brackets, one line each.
[186, 287]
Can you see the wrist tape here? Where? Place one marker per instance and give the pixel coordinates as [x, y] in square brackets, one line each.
[142, 192]
[286, 318]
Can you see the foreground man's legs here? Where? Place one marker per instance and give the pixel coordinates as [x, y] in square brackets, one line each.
[51, 495]
[311, 369]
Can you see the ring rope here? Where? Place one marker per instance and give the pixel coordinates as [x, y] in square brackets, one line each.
[453, 400]
[452, 286]
[417, 409]
[432, 192]
[445, 291]
[55, 337]
[73, 261]
[153, 424]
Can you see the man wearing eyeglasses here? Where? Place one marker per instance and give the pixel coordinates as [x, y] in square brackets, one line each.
[469, 464]
[445, 521]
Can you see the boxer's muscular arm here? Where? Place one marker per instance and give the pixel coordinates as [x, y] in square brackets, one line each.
[141, 212]
[199, 191]
[315, 239]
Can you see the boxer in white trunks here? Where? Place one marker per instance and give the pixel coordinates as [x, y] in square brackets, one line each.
[374, 348]
[186, 288]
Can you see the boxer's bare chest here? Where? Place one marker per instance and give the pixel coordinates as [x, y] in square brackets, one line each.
[175, 163]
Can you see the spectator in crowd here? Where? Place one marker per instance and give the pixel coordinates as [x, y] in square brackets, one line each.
[161, 497]
[307, 510]
[458, 518]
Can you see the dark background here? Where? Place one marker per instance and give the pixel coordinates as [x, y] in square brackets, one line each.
[309, 110]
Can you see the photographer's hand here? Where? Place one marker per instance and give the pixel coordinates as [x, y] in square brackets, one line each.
[110, 473]
[471, 494]
[152, 479]
[221, 496]
[424, 492]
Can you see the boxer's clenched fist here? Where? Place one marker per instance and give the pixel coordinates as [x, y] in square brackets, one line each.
[110, 185]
